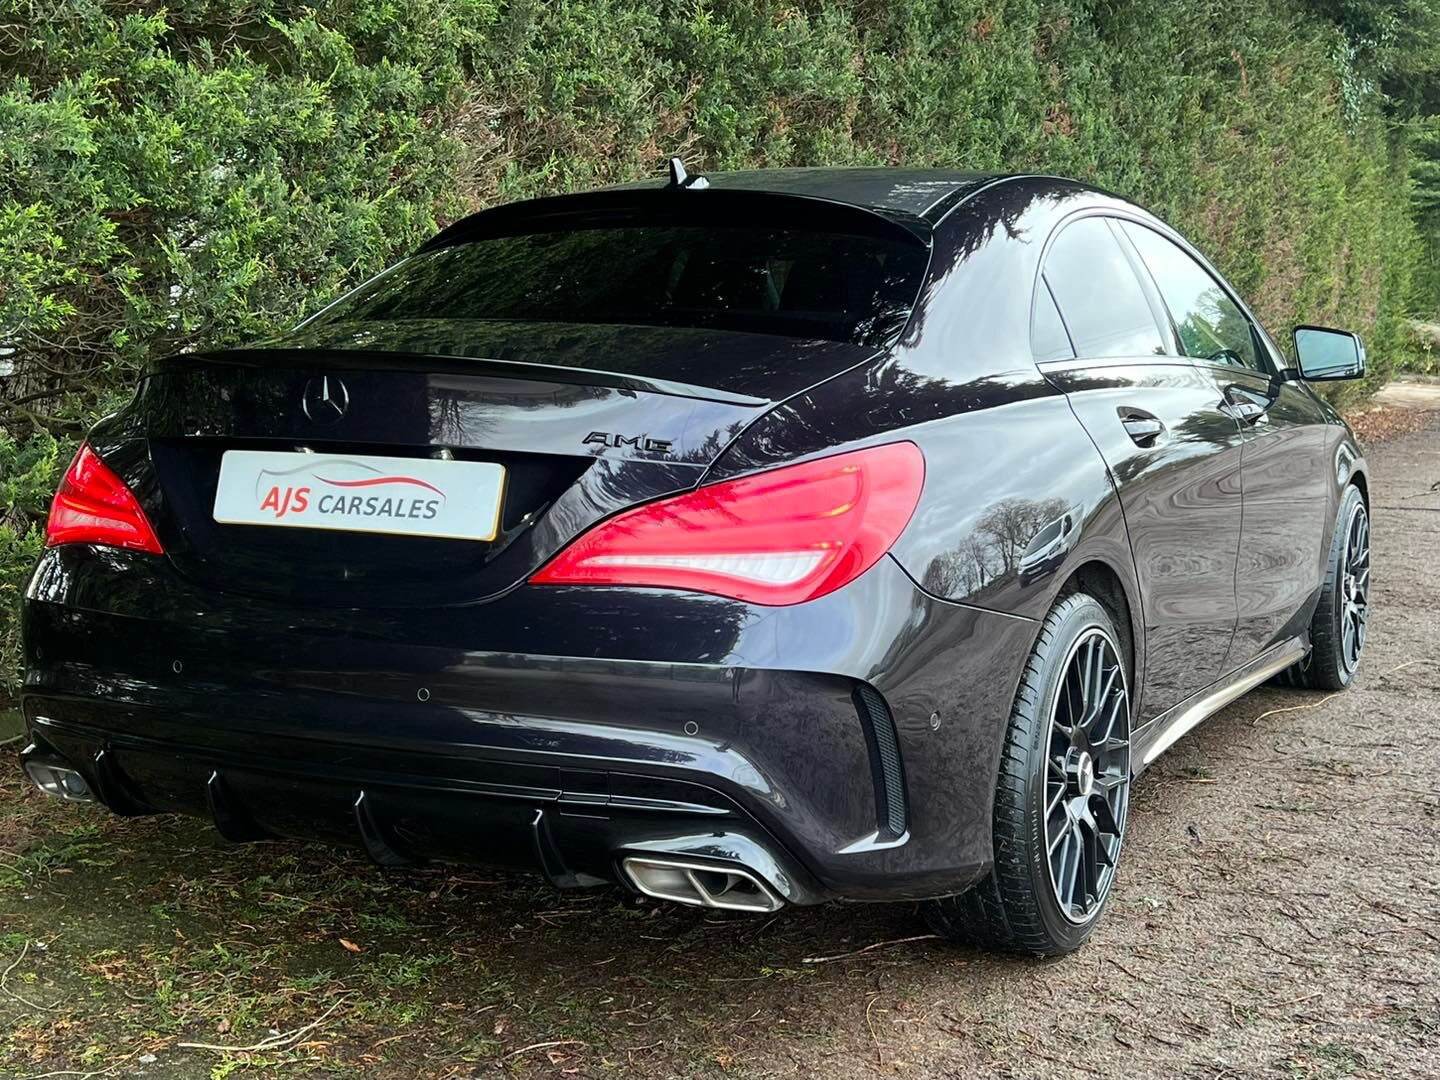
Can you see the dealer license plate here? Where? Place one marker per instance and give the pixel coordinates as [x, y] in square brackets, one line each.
[361, 493]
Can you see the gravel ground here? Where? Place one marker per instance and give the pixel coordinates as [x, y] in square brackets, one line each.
[1277, 914]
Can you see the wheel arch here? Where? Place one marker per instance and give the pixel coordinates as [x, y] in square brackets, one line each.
[1361, 481]
[1099, 579]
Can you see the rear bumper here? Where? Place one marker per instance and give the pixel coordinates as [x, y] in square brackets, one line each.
[574, 826]
[707, 729]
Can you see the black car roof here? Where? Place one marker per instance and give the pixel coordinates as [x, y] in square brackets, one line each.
[922, 193]
[896, 201]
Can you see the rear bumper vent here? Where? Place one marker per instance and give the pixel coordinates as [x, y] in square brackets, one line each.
[885, 764]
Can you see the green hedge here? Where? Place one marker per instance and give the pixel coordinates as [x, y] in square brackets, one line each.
[206, 173]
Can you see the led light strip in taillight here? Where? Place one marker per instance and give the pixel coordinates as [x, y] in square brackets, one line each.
[781, 568]
[93, 506]
[782, 536]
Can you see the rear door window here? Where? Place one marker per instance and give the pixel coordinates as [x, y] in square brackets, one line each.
[1048, 338]
[1101, 299]
[789, 282]
[1208, 324]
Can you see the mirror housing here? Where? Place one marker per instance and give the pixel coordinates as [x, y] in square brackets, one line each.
[1324, 354]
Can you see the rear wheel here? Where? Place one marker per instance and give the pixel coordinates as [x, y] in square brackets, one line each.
[1338, 627]
[1062, 797]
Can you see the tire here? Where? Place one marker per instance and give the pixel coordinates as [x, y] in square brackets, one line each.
[1018, 906]
[1337, 629]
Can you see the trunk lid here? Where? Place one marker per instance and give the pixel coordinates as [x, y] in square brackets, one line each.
[577, 445]
[724, 365]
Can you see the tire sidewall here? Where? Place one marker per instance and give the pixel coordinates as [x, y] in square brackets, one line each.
[1334, 598]
[1084, 614]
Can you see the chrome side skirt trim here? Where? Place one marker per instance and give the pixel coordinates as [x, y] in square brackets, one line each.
[1173, 725]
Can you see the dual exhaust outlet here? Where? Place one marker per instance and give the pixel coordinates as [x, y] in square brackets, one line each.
[58, 780]
[682, 881]
[700, 884]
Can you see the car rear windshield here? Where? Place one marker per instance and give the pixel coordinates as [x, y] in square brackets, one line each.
[794, 283]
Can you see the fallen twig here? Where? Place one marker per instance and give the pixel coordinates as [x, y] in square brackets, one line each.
[108, 1070]
[879, 1054]
[275, 1042]
[544, 1046]
[1327, 697]
[867, 948]
[1401, 667]
[11, 993]
[1126, 970]
[1295, 708]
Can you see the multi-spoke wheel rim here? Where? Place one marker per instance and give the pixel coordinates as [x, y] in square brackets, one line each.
[1087, 775]
[1355, 589]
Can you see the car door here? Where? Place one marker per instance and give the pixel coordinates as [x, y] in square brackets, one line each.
[1285, 480]
[1100, 336]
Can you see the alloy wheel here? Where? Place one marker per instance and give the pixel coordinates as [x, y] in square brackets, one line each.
[1355, 579]
[1087, 775]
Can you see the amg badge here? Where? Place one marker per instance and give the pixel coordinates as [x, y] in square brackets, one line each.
[640, 442]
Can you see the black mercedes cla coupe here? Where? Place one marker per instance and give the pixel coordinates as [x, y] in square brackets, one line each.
[747, 540]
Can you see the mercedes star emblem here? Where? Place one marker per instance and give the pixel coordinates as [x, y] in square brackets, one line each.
[326, 400]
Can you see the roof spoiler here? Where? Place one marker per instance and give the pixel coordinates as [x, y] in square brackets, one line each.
[701, 204]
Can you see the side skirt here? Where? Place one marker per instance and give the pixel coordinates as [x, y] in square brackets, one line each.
[1166, 730]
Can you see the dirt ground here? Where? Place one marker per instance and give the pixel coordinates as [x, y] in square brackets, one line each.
[1277, 914]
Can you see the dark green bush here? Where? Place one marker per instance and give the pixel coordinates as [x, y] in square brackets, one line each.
[205, 173]
[1425, 171]
[28, 475]
[197, 177]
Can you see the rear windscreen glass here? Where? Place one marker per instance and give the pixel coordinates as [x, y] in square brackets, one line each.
[794, 283]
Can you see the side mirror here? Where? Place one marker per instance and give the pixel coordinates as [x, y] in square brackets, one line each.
[1325, 354]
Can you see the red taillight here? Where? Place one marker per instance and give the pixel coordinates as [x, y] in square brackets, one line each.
[777, 537]
[93, 506]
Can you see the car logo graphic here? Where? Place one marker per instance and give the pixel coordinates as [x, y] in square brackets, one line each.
[325, 400]
[290, 491]
[375, 477]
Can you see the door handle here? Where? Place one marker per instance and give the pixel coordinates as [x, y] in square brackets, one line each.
[1142, 427]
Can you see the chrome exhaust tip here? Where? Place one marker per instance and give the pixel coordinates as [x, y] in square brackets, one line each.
[59, 780]
[700, 884]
